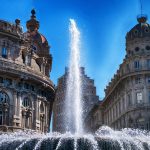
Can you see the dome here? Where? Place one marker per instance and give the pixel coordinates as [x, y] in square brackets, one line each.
[142, 29]
[38, 37]
[33, 33]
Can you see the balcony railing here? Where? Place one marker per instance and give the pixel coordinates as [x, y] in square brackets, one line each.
[8, 65]
[139, 105]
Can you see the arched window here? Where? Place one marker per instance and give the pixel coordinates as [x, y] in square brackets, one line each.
[4, 52]
[42, 108]
[3, 97]
[4, 108]
[23, 58]
[147, 47]
[26, 102]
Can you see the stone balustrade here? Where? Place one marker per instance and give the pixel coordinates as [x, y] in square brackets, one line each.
[9, 66]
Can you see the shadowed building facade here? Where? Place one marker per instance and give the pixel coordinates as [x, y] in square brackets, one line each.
[127, 97]
[26, 92]
[89, 99]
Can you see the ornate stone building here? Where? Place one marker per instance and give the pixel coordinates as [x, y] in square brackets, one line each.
[26, 92]
[127, 97]
[89, 98]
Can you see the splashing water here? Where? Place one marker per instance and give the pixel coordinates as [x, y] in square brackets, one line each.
[104, 139]
[73, 103]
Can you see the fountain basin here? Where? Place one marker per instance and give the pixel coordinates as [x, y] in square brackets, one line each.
[104, 139]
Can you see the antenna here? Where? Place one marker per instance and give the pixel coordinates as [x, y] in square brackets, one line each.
[141, 7]
[141, 18]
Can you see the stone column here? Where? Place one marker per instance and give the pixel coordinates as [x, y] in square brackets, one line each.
[42, 67]
[38, 111]
[125, 102]
[19, 104]
[0, 50]
[15, 103]
[26, 59]
[15, 106]
[8, 53]
[145, 95]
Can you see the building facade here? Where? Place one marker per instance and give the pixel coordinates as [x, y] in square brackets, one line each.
[94, 118]
[127, 97]
[26, 92]
[89, 98]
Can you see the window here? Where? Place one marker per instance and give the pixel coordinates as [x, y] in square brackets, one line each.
[42, 108]
[12, 52]
[148, 63]
[23, 58]
[1, 80]
[4, 52]
[32, 87]
[139, 97]
[137, 49]
[129, 52]
[149, 96]
[33, 47]
[137, 80]
[146, 30]
[19, 85]
[3, 97]
[26, 86]
[8, 82]
[128, 68]
[147, 47]
[26, 102]
[137, 64]
[129, 100]
[148, 79]
[135, 32]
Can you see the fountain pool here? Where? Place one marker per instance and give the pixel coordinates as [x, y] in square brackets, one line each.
[104, 139]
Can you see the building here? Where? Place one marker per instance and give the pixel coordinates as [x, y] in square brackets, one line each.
[88, 94]
[94, 118]
[26, 92]
[127, 97]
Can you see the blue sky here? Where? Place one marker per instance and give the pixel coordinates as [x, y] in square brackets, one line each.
[103, 25]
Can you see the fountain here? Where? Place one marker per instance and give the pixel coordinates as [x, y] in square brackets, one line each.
[75, 138]
[73, 102]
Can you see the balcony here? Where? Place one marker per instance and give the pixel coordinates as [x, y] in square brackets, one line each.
[18, 69]
[138, 106]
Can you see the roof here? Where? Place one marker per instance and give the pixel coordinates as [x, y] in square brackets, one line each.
[142, 29]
